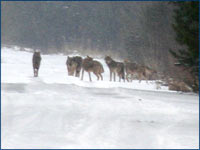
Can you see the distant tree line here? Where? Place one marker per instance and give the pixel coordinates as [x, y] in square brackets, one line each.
[101, 25]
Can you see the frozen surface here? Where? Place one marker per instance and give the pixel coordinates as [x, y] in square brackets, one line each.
[58, 111]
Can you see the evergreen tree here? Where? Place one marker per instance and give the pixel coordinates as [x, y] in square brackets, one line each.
[186, 27]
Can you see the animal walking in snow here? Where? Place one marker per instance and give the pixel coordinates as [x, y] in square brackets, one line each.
[115, 68]
[36, 62]
[94, 66]
[140, 71]
[130, 69]
[145, 73]
[150, 73]
[74, 65]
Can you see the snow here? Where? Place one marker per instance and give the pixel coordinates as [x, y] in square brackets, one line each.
[58, 111]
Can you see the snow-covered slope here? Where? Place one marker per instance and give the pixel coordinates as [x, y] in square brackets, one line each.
[58, 111]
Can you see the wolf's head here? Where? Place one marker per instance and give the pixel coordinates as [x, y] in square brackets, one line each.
[71, 66]
[88, 58]
[108, 59]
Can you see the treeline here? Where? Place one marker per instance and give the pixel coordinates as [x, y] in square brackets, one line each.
[135, 27]
[89, 25]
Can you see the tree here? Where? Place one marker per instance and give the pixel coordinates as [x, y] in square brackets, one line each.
[186, 26]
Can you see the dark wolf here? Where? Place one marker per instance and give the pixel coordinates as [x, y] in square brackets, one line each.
[36, 62]
[115, 68]
[94, 66]
[74, 65]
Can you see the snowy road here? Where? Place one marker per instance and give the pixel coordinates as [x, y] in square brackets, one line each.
[57, 111]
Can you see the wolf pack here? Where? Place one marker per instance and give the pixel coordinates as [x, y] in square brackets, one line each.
[126, 71]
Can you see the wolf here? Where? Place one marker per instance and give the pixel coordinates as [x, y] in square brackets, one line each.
[140, 71]
[146, 73]
[131, 69]
[36, 60]
[94, 66]
[74, 65]
[115, 68]
[150, 74]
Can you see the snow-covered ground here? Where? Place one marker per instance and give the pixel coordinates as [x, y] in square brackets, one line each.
[58, 111]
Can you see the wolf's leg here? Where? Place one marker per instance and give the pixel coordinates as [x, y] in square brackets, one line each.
[36, 72]
[146, 78]
[123, 76]
[127, 77]
[140, 79]
[119, 78]
[74, 72]
[77, 73]
[114, 76]
[90, 76]
[101, 77]
[33, 72]
[110, 75]
[82, 74]
[97, 76]
[131, 77]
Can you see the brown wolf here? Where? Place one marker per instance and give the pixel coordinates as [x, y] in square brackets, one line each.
[131, 69]
[94, 66]
[74, 65]
[146, 73]
[150, 73]
[115, 68]
[36, 62]
[141, 71]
